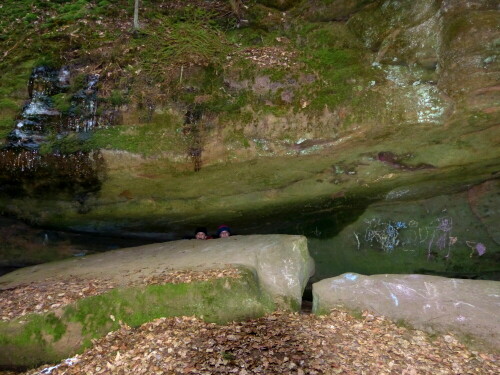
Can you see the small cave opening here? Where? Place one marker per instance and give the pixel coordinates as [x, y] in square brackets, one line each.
[307, 299]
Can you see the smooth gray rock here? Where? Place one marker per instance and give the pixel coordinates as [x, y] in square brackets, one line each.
[282, 263]
[430, 303]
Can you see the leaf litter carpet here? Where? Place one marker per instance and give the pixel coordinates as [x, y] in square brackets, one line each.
[280, 343]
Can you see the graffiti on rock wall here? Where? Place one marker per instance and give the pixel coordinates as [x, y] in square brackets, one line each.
[436, 237]
[441, 237]
[477, 247]
[385, 234]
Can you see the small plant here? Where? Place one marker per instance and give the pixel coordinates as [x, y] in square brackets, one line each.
[117, 99]
[62, 102]
[228, 356]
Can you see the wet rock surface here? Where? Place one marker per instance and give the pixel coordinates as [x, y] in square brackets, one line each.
[27, 168]
[27, 172]
[447, 235]
[41, 118]
[431, 303]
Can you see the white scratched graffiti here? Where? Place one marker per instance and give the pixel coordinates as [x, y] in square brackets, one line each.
[435, 238]
[384, 234]
[441, 237]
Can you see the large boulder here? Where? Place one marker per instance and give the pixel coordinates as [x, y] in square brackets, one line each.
[59, 332]
[282, 263]
[431, 303]
[273, 271]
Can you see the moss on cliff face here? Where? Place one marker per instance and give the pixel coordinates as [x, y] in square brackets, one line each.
[185, 57]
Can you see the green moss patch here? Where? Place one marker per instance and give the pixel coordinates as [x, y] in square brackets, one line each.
[161, 135]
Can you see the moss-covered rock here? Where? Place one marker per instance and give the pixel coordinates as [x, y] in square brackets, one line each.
[401, 32]
[468, 59]
[282, 263]
[273, 270]
[43, 338]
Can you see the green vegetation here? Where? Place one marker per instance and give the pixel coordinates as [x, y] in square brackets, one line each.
[62, 102]
[32, 330]
[8, 105]
[182, 43]
[179, 47]
[117, 98]
[8, 112]
[31, 345]
[67, 144]
[161, 135]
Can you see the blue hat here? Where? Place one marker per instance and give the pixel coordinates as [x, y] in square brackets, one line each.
[223, 228]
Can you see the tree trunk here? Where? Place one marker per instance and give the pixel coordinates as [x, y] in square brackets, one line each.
[236, 8]
[136, 15]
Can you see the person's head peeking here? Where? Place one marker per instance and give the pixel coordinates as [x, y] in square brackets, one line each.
[223, 231]
[200, 233]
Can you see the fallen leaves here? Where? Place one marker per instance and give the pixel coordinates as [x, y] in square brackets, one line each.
[268, 57]
[281, 343]
[188, 276]
[47, 295]
[51, 294]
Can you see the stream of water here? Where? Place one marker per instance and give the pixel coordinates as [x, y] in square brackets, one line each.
[53, 111]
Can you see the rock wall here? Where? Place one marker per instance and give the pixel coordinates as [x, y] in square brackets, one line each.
[448, 235]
